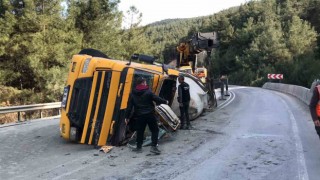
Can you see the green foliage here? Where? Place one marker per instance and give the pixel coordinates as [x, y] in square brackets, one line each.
[257, 38]
[260, 37]
[38, 45]
[166, 35]
[10, 97]
[301, 37]
[242, 77]
[99, 22]
[38, 39]
[133, 38]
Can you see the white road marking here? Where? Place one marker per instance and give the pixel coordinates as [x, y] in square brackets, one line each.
[229, 100]
[238, 87]
[302, 168]
[253, 135]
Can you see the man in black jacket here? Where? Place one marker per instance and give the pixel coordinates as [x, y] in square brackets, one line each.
[315, 106]
[184, 101]
[141, 100]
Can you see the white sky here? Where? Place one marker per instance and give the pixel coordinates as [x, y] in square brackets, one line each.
[156, 10]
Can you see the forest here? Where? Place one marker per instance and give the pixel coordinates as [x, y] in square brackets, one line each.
[39, 37]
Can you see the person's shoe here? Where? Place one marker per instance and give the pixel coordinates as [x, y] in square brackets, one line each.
[182, 127]
[137, 149]
[155, 150]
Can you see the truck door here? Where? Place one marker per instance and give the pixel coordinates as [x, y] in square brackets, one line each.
[167, 91]
[167, 88]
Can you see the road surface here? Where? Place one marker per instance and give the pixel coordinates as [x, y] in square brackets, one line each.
[254, 134]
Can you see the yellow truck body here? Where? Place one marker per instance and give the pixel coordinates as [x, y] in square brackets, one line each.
[96, 95]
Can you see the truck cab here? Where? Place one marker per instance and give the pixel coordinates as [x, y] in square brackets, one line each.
[96, 95]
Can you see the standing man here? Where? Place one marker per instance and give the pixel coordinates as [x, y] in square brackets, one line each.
[227, 84]
[315, 107]
[184, 101]
[142, 101]
[223, 81]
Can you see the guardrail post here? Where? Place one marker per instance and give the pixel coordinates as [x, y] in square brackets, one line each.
[19, 116]
[40, 114]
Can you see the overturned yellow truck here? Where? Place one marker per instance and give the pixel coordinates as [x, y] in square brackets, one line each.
[96, 94]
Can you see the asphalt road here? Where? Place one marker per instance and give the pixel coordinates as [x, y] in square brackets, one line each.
[254, 134]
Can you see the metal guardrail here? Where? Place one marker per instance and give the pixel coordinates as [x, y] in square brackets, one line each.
[33, 107]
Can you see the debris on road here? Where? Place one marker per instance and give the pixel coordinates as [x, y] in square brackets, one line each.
[106, 149]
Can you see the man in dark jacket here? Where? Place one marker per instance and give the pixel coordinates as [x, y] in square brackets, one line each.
[141, 100]
[315, 106]
[184, 101]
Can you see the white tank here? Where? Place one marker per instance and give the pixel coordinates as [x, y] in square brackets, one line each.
[198, 102]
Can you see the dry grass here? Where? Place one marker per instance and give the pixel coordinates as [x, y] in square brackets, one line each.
[13, 117]
[8, 118]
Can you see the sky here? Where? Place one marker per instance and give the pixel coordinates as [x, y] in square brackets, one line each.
[157, 10]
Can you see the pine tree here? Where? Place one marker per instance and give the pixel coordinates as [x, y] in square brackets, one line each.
[100, 23]
[301, 37]
[49, 60]
[7, 22]
[133, 39]
[34, 57]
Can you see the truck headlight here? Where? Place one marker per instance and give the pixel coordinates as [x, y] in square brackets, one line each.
[86, 65]
[65, 97]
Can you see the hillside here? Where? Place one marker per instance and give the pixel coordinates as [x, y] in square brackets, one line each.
[256, 38]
